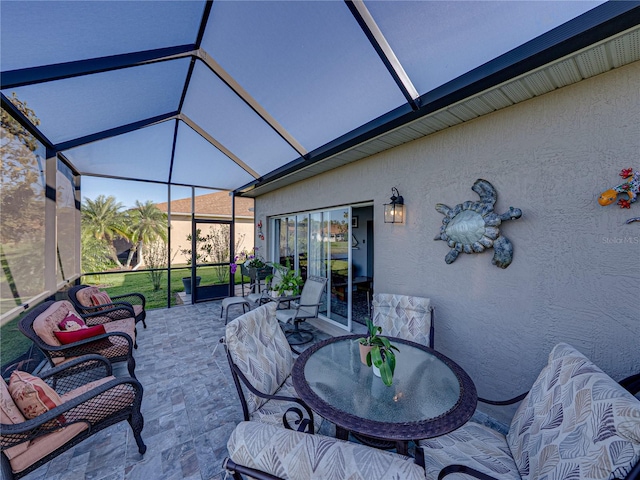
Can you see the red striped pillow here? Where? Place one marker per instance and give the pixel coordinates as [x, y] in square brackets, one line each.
[100, 298]
[32, 395]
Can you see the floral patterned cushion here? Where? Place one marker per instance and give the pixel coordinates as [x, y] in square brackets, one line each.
[48, 321]
[403, 316]
[293, 455]
[259, 348]
[576, 422]
[472, 445]
[84, 295]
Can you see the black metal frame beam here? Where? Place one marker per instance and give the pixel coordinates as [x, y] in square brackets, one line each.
[596, 25]
[383, 49]
[112, 132]
[24, 121]
[59, 71]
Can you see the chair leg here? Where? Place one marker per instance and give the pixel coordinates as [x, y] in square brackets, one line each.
[297, 336]
[137, 422]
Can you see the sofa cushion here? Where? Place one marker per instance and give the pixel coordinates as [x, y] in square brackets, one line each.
[294, 455]
[472, 445]
[32, 395]
[48, 321]
[575, 422]
[10, 414]
[260, 350]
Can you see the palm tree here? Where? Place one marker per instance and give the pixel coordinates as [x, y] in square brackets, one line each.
[147, 223]
[104, 219]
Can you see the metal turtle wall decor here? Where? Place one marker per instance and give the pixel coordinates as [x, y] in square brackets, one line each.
[472, 227]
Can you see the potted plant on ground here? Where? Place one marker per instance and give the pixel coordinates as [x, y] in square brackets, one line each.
[377, 351]
[290, 283]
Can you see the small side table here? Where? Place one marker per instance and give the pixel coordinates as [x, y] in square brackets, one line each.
[229, 301]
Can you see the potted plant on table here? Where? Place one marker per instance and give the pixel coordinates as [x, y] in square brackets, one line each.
[377, 351]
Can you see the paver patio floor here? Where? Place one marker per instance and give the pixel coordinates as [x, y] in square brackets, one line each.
[190, 406]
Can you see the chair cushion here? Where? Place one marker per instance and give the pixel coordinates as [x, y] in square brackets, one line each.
[48, 321]
[575, 422]
[403, 316]
[83, 295]
[472, 445]
[44, 445]
[271, 411]
[31, 394]
[260, 350]
[294, 455]
[10, 414]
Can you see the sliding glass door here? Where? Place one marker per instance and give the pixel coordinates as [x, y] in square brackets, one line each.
[318, 244]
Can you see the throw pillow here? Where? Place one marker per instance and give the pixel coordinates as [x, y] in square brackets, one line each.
[32, 395]
[72, 336]
[100, 298]
[71, 322]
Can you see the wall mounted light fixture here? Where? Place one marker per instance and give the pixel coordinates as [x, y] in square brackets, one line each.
[394, 211]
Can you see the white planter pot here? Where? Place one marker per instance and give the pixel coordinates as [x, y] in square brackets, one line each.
[376, 371]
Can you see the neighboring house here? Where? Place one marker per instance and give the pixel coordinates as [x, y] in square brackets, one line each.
[211, 206]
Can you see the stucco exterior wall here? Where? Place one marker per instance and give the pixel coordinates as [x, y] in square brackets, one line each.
[575, 276]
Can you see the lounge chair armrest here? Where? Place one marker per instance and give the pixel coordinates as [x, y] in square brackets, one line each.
[510, 401]
[77, 372]
[631, 384]
[138, 298]
[116, 311]
[472, 472]
[281, 398]
[78, 349]
[232, 467]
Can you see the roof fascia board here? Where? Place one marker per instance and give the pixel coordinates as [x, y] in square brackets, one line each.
[24, 121]
[384, 50]
[217, 69]
[589, 28]
[112, 132]
[59, 71]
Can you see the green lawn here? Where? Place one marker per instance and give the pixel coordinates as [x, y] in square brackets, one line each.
[13, 343]
[121, 283]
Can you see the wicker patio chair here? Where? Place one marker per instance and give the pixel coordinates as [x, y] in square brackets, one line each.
[90, 399]
[403, 316]
[116, 344]
[306, 307]
[81, 297]
[261, 361]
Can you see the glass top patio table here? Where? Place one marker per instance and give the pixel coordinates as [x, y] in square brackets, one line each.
[430, 396]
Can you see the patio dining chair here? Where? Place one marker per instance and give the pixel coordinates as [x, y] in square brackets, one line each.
[87, 299]
[44, 416]
[42, 326]
[404, 316]
[306, 307]
[264, 295]
[261, 361]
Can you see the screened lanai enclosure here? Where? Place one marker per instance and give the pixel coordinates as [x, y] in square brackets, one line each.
[196, 97]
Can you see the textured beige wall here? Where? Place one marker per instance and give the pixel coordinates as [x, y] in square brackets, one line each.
[575, 276]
